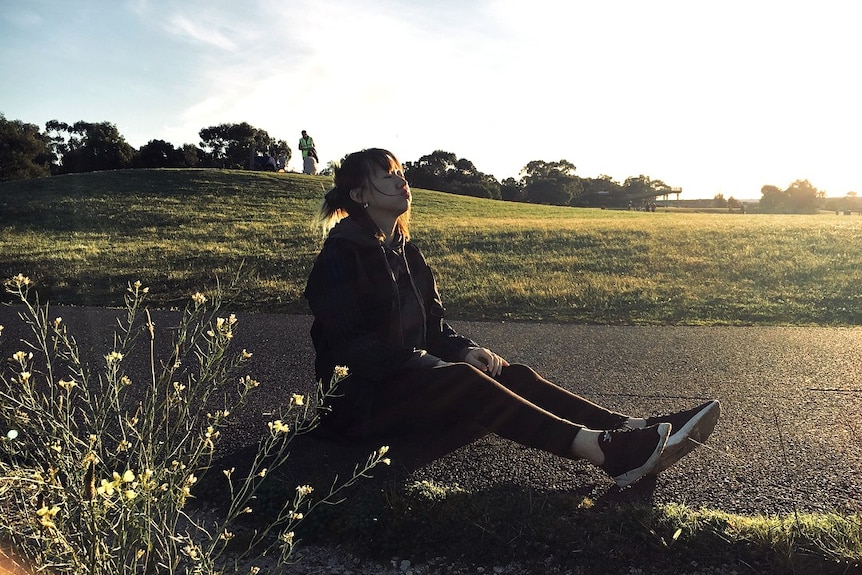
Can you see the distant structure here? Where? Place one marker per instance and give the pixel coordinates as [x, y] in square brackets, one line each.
[676, 191]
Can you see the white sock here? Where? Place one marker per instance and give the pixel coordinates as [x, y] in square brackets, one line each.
[585, 445]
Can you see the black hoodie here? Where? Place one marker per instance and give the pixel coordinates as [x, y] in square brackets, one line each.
[376, 308]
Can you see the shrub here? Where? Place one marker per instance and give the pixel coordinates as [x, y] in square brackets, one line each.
[97, 471]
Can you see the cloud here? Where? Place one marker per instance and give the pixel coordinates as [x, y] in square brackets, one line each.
[198, 32]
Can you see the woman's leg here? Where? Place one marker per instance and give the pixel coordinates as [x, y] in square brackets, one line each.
[525, 382]
[459, 393]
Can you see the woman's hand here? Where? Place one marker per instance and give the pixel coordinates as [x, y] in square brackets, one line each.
[486, 360]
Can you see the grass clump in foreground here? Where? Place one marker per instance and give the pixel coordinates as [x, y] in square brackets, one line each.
[99, 472]
[530, 531]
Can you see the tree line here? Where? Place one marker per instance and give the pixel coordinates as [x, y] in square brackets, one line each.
[26, 151]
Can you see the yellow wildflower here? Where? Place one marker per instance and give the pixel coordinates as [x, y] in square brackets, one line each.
[278, 426]
[128, 476]
[341, 371]
[19, 280]
[248, 383]
[199, 298]
[21, 356]
[130, 494]
[67, 384]
[245, 354]
[304, 490]
[46, 515]
[106, 488]
[114, 357]
[298, 399]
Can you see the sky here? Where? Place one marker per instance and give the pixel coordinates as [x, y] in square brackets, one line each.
[714, 97]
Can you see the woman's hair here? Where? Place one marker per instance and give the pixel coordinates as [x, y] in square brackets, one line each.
[355, 172]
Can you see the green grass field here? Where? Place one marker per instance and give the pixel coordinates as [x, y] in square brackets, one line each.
[83, 237]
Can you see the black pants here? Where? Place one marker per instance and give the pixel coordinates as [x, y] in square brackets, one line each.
[519, 405]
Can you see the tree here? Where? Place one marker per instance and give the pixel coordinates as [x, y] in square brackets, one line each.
[638, 187]
[192, 155]
[88, 147]
[158, 154]
[799, 198]
[602, 191]
[802, 197]
[431, 170]
[444, 171]
[771, 199]
[551, 182]
[24, 151]
[234, 146]
[512, 190]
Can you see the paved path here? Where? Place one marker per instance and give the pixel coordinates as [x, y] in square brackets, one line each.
[789, 437]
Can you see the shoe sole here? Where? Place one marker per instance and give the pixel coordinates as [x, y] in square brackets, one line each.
[693, 433]
[629, 477]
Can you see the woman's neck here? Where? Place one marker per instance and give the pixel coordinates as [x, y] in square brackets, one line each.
[386, 226]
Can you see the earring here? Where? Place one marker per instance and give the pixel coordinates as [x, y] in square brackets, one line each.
[365, 205]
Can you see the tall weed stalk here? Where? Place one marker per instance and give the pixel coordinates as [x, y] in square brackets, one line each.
[97, 469]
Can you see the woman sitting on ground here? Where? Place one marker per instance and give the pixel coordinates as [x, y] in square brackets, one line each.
[377, 311]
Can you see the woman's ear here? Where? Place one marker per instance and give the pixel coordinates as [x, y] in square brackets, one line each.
[356, 195]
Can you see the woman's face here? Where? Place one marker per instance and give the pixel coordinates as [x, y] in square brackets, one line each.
[389, 194]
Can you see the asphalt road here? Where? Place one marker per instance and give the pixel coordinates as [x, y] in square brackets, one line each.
[788, 439]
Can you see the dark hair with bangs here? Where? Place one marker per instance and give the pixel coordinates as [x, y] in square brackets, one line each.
[355, 172]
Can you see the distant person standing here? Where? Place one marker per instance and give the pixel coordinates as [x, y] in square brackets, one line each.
[309, 154]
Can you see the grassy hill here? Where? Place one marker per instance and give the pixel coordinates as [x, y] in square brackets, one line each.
[83, 237]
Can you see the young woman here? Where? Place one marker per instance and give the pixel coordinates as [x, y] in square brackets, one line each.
[377, 312]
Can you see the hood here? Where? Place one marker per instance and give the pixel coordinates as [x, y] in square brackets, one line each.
[352, 231]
